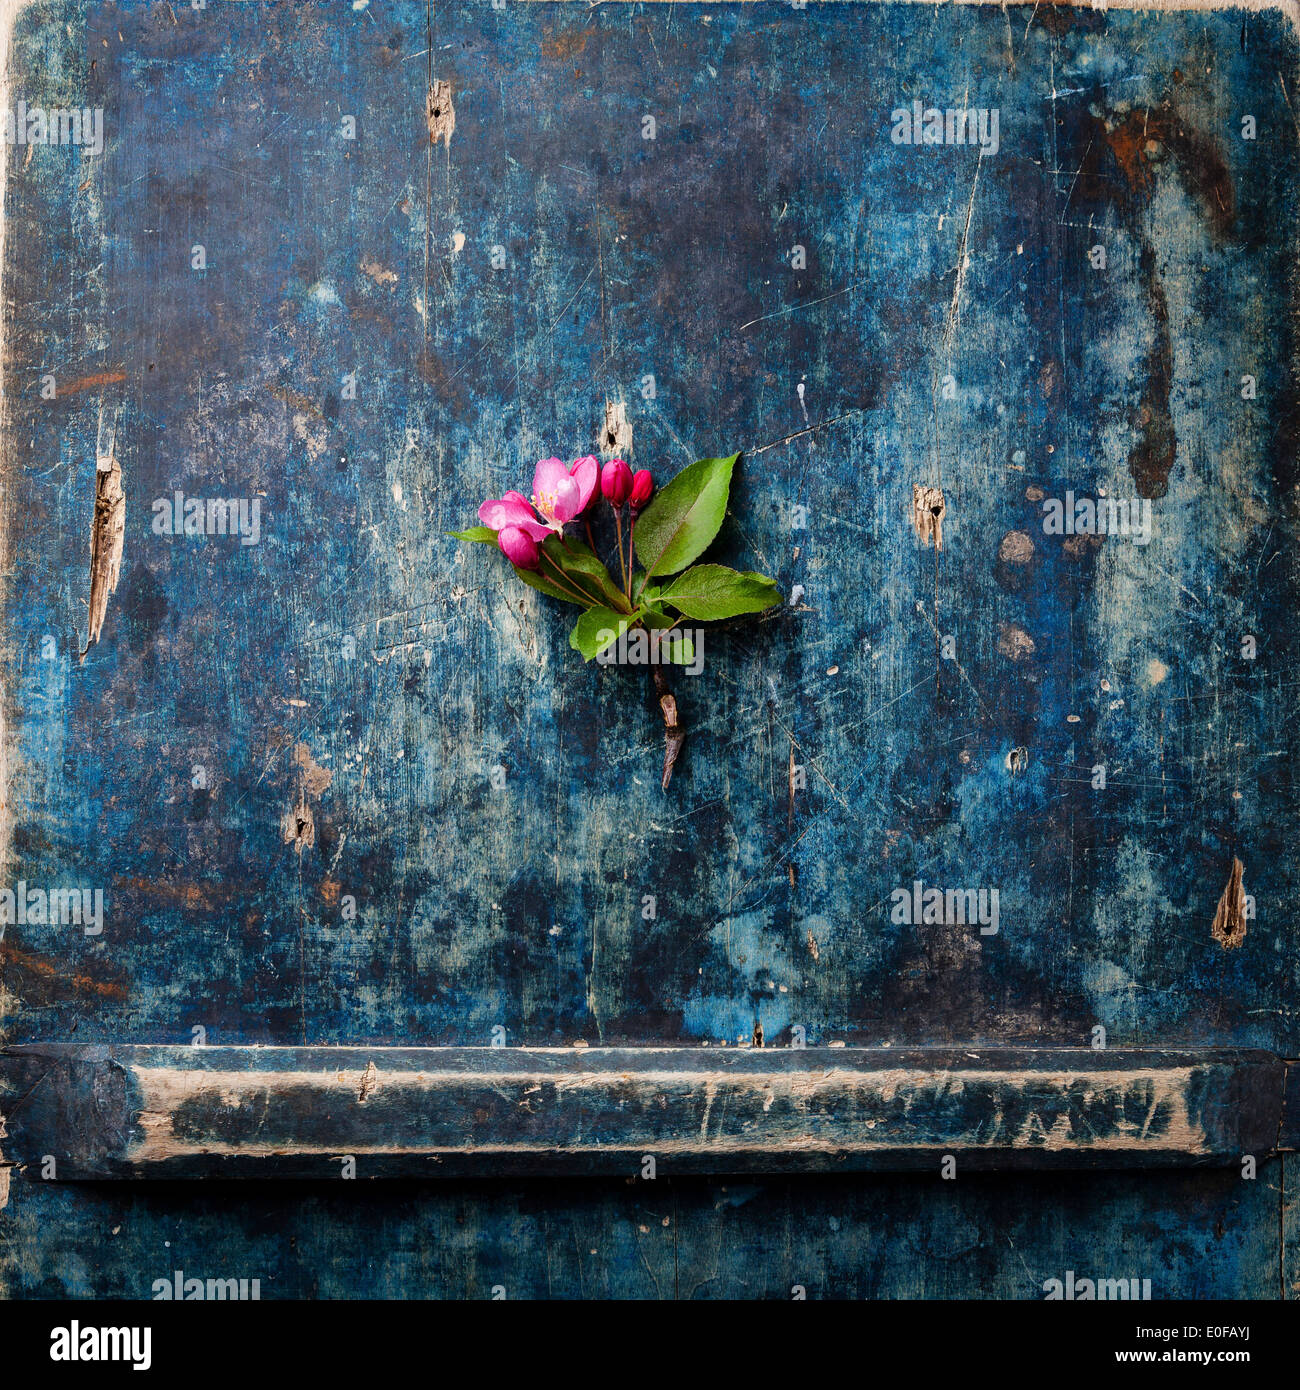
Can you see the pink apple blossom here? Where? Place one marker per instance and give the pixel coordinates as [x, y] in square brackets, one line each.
[616, 482]
[560, 493]
[519, 547]
[642, 486]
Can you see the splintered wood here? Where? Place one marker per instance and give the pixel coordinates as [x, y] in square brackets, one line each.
[107, 532]
[927, 514]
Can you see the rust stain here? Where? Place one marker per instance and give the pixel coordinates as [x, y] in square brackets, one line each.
[39, 980]
[565, 46]
[296, 400]
[1229, 927]
[1151, 459]
[195, 897]
[1078, 546]
[89, 383]
[314, 777]
[1140, 144]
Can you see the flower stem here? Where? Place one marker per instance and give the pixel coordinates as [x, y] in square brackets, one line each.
[674, 734]
[618, 531]
[564, 582]
[631, 531]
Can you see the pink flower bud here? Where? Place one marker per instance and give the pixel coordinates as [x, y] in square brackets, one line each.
[586, 471]
[642, 486]
[616, 482]
[519, 548]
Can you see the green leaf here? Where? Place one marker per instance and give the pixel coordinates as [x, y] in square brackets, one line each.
[709, 592]
[679, 649]
[545, 586]
[583, 568]
[597, 629]
[484, 535]
[684, 516]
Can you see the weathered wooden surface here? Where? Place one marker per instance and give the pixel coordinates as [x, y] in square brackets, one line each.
[409, 1112]
[522, 907]
[1200, 1233]
[230, 772]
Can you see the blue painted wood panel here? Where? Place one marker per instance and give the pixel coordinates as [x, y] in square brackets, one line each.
[265, 734]
[1194, 1235]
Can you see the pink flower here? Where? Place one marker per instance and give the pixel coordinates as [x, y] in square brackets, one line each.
[512, 510]
[561, 493]
[519, 547]
[586, 471]
[642, 486]
[616, 482]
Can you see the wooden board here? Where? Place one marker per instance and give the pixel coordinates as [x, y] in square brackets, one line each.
[347, 784]
[169, 1112]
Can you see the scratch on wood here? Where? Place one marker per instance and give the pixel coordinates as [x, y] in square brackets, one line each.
[89, 383]
[790, 779]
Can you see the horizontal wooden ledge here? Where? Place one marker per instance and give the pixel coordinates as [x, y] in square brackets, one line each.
[299, 1112]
